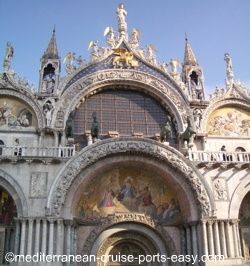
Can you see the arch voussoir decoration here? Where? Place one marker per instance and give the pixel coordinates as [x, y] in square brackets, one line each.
[129, 145]
[86, 86]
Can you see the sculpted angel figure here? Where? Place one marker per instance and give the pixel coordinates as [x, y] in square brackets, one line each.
[174, 63]
[151, 53]
[94, 50]
[69, 59]
[110, 36]
[134, 40]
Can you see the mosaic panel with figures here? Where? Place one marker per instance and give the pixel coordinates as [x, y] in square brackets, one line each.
[129, 189]
[16, 114]
[229, 121]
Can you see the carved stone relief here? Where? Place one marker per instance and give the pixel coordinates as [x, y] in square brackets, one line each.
[220, 189]
[38, 184]
[102, 149]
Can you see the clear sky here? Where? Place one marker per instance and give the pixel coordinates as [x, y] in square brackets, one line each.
[213, 28]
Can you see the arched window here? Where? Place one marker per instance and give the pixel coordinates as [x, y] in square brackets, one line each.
[240, 149]
[124, 111]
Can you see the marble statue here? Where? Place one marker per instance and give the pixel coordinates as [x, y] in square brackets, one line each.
[110, 37]
[121, 14]
[229, 70]
[8, 56]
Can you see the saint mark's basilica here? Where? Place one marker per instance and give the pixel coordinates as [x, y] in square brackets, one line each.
[124, 154]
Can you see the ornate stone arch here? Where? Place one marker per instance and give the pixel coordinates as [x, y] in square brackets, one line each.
[30, 100]
[13, 188]
[125, 146]
[238, 195]
[162, 240]
[218, 104]
[93, 83]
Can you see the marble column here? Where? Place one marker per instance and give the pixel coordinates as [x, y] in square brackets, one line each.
[188, 241]
[235, 242]
[17, 236]
[51, 237]
[238, 238]
[216, 239]
[210, 238]
[228, 239]
[30, 237]
[44, 237]
[37, 236]
[204, 238]
[223, 239]
[68, 224]
[23, 238]
[59, 237]
[194, 240]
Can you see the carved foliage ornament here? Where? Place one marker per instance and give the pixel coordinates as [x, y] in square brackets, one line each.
[102, 149]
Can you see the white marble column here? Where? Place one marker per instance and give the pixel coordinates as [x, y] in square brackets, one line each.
[228, 239]
[44, 237]
[204, 237]
[210, 238]
[51, 237]
[30, 237]
[217, 239]
[235, 242]
[223, 239]
[238, 238]
[37, 236]
[23, 238]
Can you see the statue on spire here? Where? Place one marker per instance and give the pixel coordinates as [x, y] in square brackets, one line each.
[122, 24]
[8, 57]
[229, 70]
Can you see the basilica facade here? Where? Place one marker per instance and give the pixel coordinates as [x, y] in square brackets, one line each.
[124, 155]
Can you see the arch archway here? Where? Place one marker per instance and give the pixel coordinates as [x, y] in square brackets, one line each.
[138, 240]
[12, 204]
[12, 187]
[145, 148]
[91, 84]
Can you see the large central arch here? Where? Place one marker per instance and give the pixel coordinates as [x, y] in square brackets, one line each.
[150, 150]
[93, 83]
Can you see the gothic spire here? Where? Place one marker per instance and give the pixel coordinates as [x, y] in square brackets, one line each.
[51, 51]
[189, 57]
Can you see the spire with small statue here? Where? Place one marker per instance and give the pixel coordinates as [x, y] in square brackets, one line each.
[50, 69]
[192, 74]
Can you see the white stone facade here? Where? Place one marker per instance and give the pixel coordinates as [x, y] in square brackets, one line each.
[54, 176]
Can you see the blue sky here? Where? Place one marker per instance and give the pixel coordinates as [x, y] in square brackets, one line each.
[213, 28]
